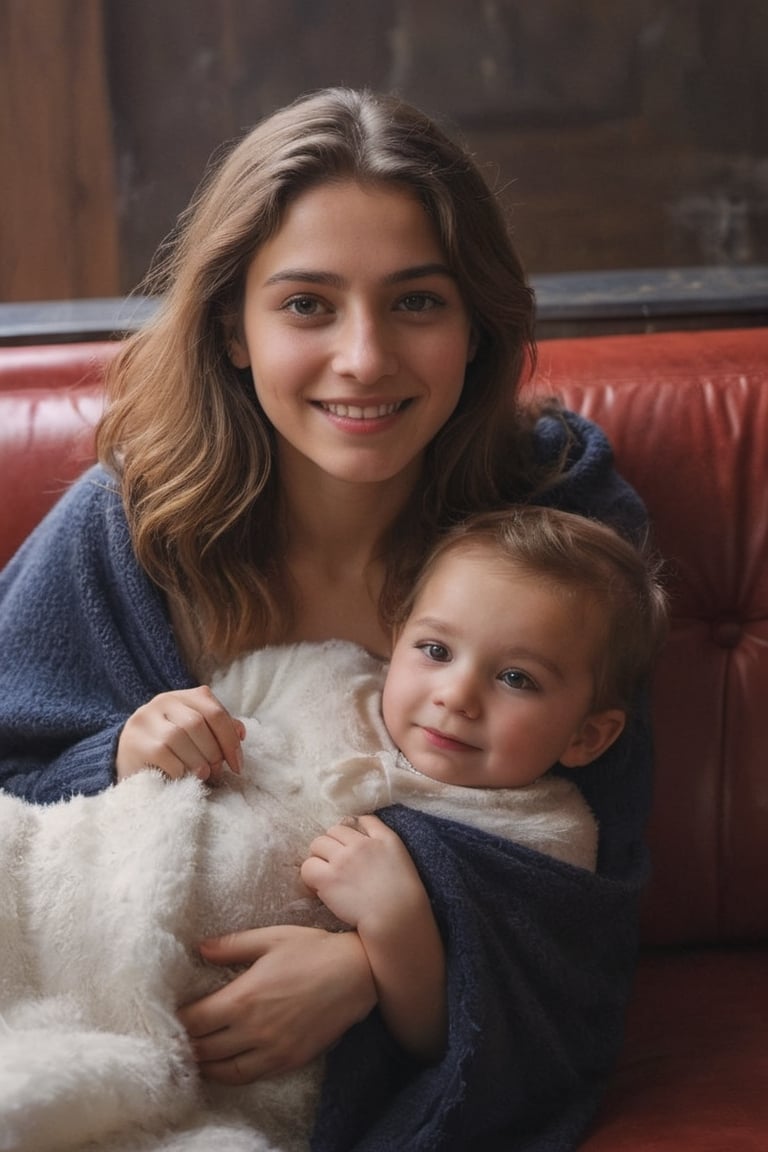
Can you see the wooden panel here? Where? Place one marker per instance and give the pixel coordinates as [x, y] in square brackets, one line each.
[57, 199]
[627, 135]
[624, 135]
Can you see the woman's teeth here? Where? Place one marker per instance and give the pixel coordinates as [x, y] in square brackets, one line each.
[354, 412]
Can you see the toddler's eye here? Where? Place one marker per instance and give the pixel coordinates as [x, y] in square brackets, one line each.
[514, 678]
[434, 651]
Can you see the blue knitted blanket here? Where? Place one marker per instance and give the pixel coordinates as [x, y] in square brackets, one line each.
[540, 959]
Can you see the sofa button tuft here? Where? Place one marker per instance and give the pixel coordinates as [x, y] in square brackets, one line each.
[726, 633]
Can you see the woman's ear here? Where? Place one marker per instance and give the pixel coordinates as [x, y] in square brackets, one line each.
[237, 349]
[474, 344]
[596, 733]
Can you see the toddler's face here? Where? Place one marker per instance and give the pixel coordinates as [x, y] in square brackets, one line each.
[491, 681]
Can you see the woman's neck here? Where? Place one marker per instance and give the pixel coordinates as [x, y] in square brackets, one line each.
[340, 525]
[335, 547]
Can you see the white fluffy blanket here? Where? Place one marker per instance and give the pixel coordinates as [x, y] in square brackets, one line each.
[103, 899]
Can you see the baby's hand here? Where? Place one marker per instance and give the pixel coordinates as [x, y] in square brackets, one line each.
[184, 733]
[365, 875]
[363, 872]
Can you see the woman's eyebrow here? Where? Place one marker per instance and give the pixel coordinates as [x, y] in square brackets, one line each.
[305, 276]
[333, 280]
[417, 272]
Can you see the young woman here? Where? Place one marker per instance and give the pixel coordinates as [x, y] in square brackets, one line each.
[330, 382]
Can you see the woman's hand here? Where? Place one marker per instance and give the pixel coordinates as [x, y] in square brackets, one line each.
[303, 990]
[184, 733]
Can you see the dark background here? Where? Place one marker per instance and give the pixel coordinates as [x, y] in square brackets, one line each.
[620, 133]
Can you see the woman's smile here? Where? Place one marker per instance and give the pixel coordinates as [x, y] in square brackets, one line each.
[362, 419]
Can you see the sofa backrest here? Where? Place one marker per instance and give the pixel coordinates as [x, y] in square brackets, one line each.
[50, 400]
[687, 414]
[688, 417]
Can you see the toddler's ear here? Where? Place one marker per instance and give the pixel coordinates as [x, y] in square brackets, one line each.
[596, 733]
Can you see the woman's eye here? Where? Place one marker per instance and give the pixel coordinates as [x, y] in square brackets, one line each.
[419, 302]
[304, 306]
[514, 678]
[433, 651]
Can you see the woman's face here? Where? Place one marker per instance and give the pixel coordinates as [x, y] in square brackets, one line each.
[356, 334]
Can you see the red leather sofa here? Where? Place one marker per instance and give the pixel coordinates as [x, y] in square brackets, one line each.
[688, 417]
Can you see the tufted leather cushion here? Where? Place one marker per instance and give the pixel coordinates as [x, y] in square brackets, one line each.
[50, 399]
[688, 416]
[694, 1067]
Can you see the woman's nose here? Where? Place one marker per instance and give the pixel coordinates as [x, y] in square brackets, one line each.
[365, 350]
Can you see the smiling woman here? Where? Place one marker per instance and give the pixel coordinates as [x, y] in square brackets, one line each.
[357, 338]
[330, 384]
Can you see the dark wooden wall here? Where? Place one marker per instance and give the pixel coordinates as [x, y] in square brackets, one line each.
[59, 226]
[620, 133]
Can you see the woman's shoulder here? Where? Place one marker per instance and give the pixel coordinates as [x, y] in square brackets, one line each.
[97, 485]
[87, 521]
[94, 492]
[90, 512]
[587, 482]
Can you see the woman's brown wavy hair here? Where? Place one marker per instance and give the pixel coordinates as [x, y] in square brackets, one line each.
[183, 429]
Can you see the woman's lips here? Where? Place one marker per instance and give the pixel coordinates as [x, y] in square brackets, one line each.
[362, 418]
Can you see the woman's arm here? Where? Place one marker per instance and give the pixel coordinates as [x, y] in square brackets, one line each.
[365, 875]
[86, 640]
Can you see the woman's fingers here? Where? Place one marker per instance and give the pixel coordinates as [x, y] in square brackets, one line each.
[237, 947]
[220, 1009]
[241, 1069]
[197, 726]
[179, 733]
[302, 989]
